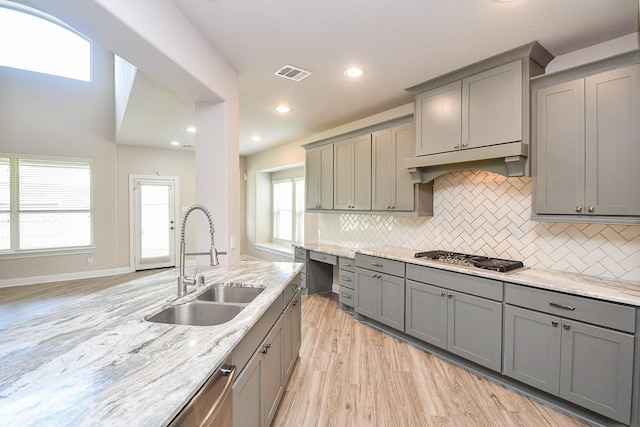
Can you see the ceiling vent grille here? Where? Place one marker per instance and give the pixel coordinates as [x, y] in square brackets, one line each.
[292, 73]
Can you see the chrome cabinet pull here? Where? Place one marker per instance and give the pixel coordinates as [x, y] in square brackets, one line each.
[566, 326]
[578, 208]
[346, 279]
[347, 296]
[590, 209]
[562, 306]
[554, 323]
[375, 264]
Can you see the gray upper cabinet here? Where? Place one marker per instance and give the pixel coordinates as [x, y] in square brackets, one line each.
[587, 152]
[391, 185]
[319, 178]
[439, 119]
[352, 169]
[492, 106]
[480, 110]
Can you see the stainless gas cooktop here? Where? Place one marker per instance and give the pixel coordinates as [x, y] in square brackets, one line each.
[478, 261]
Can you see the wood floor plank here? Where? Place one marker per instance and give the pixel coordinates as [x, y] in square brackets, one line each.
[351, 374]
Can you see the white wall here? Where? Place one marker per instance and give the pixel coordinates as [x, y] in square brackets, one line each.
[52, 116]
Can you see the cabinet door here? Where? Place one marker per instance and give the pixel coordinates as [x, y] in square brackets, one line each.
[292, 335]
[326, 177]
[560, 148]
[596, 369]
[492, 106]
[474, 329]
[532, 348]
[426, 313]
[391, 185]
[247, 401]
[352, 183]
[272, 375]
[383, 171]
[612, 148]
[367, 290]
[403, 138]
[312, 178]
[391, 301]
[438, 120]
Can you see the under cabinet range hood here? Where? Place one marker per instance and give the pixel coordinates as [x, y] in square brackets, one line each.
[477, 117]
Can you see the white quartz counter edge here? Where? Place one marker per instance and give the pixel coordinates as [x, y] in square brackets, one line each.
[577, 284]
[96, 361]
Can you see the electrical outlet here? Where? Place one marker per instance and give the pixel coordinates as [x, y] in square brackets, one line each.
[233, 241]
[89, 260]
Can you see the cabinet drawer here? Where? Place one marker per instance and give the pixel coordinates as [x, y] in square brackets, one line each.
[473, 285]
[346, 296]
[300, 253]
[322, 257]
[347, 279]
[291, 290]
[602, 313]
[382, 265]
[347, 264]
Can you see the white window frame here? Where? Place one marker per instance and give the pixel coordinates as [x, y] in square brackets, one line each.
[46, 50]
[14, 211]
[294, 214]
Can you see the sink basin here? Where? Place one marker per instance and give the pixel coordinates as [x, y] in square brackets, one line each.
[197, 313]
[235, 294]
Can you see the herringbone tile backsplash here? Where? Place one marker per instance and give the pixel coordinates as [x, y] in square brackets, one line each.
[488, 214]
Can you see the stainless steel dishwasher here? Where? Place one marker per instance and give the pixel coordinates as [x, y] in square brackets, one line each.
[212, 405]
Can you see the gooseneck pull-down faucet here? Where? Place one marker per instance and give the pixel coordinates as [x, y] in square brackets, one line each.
[213, 253]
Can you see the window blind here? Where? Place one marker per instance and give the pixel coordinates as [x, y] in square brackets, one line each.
[46, 203]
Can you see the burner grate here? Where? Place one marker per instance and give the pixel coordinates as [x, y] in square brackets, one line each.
[495, 264]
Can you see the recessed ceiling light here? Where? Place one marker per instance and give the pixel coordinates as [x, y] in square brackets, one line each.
[175, 143]
[282, 109]
[354, 72]
[255, 138]
[191, 129]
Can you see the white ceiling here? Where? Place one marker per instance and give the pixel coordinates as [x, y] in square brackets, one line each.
[400, 43]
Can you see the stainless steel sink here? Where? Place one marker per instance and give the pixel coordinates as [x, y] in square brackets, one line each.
[234, 294]
[197, 313]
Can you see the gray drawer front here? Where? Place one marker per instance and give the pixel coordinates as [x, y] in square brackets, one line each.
[304, 265]
[395, 268]
[347, 279]
[346, 296]
[292, 290]
[472, 285]
[601, 313]
[347, 264]
[300, 253]
[322, 257]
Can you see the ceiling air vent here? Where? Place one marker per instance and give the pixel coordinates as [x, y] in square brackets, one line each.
[292, 73]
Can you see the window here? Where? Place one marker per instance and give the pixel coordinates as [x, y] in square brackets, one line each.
[288, 210]
[34, 41]
[45, 204]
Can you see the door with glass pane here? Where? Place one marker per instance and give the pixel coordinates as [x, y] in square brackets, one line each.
[154, 224]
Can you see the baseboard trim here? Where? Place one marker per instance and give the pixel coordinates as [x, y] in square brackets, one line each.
[23, 281]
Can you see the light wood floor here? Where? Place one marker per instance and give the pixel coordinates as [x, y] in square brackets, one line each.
[351, 374]
[20, 302]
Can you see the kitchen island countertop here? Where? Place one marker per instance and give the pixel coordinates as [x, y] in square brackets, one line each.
[97, 361]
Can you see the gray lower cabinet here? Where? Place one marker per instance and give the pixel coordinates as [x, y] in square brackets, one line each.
[257, 391]
[466, 325]
[347, 279]
[292, 334]
[380, 296]
[589, 365]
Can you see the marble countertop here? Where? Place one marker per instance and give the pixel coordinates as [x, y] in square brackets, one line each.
[340, 251]
[96, 361]
[613, 290]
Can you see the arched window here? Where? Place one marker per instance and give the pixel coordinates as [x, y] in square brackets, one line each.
[34, 41]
